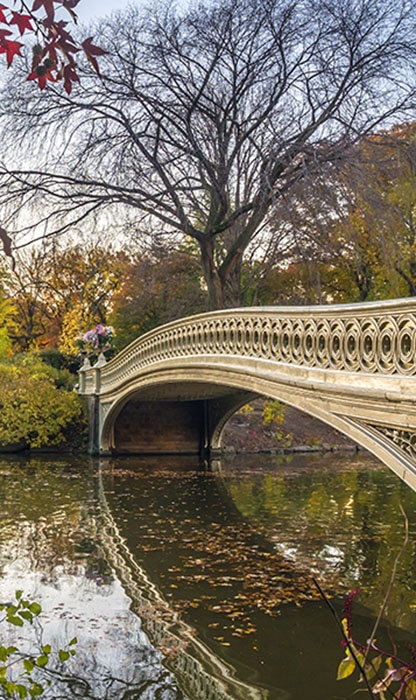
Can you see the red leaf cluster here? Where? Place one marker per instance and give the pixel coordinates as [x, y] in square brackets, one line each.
[55, 49]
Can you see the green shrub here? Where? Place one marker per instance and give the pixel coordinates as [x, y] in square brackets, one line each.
[35, 404]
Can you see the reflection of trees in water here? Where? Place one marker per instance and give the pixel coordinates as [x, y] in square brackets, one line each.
[49, 547]
[47, 522]
[149, 680]
[222, 577]
[86, 677]
[346, 519]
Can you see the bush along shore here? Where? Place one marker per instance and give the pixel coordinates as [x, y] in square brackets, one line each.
[39, 408]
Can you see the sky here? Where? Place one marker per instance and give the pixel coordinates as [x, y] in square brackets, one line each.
[88, 9]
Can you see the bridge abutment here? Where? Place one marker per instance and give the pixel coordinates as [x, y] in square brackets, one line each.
[93, 412]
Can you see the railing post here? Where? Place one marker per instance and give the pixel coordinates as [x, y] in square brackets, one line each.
[81, 384]
[82, 376]
[96, 373]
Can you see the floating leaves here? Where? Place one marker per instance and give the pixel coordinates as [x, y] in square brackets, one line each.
[204, 556]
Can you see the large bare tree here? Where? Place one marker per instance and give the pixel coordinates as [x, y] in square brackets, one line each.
[205, 118]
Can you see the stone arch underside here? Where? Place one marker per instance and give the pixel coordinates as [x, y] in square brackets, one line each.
[206, 393]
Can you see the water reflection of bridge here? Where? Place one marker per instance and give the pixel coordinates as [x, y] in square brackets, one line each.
[352, 366]
[202, 675]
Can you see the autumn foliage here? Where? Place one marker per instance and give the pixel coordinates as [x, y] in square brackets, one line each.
[54, 51]
[35, 409]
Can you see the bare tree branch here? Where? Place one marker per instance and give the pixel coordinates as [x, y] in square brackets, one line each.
[205, 119]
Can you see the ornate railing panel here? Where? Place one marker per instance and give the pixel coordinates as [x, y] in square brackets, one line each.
[377, 337]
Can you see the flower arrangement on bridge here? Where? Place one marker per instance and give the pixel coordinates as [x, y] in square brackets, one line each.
[97, 340]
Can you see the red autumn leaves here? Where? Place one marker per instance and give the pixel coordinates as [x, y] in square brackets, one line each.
[53, 57]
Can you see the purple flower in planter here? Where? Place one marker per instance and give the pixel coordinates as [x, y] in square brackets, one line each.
[96, 340]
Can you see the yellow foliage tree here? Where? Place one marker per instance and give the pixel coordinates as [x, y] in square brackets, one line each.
[6, 323]
[77, 320]
[379, 232]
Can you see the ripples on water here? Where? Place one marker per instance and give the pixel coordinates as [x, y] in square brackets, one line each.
[218, 565]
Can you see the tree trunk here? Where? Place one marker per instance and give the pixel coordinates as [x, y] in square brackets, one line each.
[408, 278]
[211, 276]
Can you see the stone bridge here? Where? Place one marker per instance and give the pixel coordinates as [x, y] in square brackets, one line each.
[173, 389]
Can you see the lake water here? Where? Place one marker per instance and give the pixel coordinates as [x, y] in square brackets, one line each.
[184, 582]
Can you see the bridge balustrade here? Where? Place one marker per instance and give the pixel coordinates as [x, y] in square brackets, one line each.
[377, 337]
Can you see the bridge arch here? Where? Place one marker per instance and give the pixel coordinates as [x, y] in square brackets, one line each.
[193, 397]
[351, 366]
